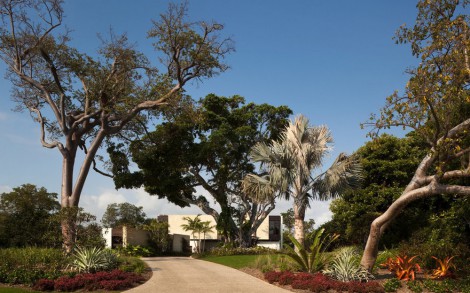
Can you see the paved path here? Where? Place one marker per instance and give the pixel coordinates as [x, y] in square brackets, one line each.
[184, 274]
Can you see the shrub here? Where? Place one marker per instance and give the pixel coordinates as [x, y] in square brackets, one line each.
[272, 276]
[264, 263]
[135, 250]
[115, 280]
[286, 278]
[27, 265]
[131, 264]
[44, 285]
[345, 267]
[414, 286]
[228, 250]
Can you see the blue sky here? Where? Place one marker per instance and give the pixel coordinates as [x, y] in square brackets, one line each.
[333, 61]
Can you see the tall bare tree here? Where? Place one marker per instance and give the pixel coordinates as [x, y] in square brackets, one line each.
[289, 165]
[79, 101]
[436, 105]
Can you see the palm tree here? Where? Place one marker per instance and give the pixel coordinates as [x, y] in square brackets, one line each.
[288, 165]
[206, 228]
[195, 226]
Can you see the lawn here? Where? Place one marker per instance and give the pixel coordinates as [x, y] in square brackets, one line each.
[15, 290]
[233, 261]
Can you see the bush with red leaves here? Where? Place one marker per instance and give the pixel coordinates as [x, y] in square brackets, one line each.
[321, 283]
[44, 285]
[115, 280]
[286, 278]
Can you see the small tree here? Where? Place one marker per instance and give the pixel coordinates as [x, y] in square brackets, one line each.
[195, 225]
[158, 234]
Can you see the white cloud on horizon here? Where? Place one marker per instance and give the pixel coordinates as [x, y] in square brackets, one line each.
[5, 188]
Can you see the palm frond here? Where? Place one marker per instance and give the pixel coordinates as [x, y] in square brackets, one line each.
[258, 188]
[344, 173]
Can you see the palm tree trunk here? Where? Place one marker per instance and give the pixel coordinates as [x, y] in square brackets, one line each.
[299, 216]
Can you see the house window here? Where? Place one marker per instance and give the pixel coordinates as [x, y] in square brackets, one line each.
[274, 228]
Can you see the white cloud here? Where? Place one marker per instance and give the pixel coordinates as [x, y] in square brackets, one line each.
[5, 188]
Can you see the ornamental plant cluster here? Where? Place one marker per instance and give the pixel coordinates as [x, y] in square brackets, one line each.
[114, 280]
[405, 268]
[320, 283]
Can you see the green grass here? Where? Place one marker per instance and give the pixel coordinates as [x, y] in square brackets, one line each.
[233, 261]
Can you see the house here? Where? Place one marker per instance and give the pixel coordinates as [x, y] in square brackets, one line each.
[268, 234]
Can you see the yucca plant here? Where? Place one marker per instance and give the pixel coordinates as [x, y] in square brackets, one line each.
[444, 269]
[314, 259]
[90, 260]
[403, 267]
[345, 267]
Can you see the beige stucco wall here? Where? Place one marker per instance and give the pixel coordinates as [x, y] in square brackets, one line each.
[263, 230]
[175, 222]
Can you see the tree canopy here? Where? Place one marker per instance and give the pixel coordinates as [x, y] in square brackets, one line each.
[205, 146]
[82, 100]
[123, 214]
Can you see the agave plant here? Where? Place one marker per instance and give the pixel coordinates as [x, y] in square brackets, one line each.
[314, 259]
[444, 269]
[90, 260]
[345, 267]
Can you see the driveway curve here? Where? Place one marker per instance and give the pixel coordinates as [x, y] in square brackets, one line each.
[184, 274]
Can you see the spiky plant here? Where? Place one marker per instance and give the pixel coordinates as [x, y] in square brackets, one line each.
[345, 267]
[314, 259]
[90, 260]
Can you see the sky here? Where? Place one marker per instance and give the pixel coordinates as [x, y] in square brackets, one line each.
[332, 61]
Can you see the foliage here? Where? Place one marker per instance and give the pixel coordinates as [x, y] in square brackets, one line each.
[131, 264]
[414, 286]
[388, 163]
[444, 268]
[204, 145]
[437, 86]
[158, 235]
[345, 267]
[123, 214]
[392, 285]
[320, 283]
[314, 259]
[82, 101]
[403, 267]
[447, 285]
[114, 280]
[289, 163]
[91, 260]
[27, 265]
[257, 250]
[135, 250]
[25, 216]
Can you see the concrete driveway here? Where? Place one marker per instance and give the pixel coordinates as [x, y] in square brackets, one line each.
[184, 274]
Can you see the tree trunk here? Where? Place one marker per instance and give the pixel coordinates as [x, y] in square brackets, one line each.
[299, 216]
[380, 223]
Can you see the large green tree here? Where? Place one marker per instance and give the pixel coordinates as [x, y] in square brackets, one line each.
[26, 215]
[290, 163]
[80, 101]
[436, 105]
[123, 214]
[388, 164]
[205, 146]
